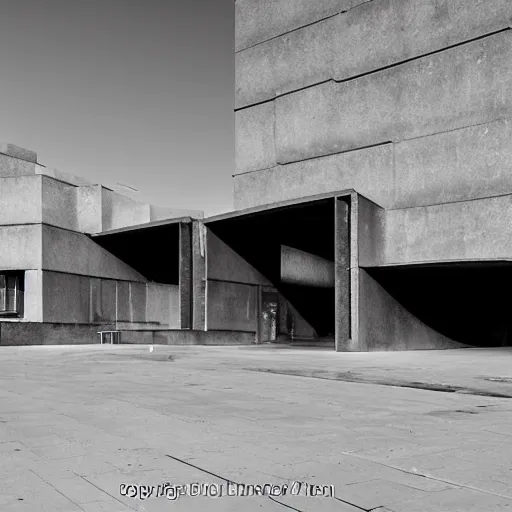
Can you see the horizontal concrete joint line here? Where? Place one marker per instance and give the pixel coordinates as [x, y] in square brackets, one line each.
[303, 26]
[288, 93]
[373, 71]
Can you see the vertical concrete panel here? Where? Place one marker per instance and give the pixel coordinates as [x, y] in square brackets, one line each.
[59, 204]
[66, 298]
[96, 303]
[21, 247]
[20, 200]
[342, 274]
[158, 304]
[198, 275]
[185, 280]
[371, 221]
[138, 302]
[33, 296]
[108, 300]
[254, 138]
[89, 209]
[174, 307]
[232, 306]
[123, 301]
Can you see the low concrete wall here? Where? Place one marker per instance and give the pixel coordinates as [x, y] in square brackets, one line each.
[25, 333]
[187, 337]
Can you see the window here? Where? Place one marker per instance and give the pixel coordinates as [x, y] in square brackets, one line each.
[11, 294]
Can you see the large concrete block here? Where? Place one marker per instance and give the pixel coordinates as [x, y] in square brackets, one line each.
[10, 167]
[66, 298]
[463, 86]
[75, 253]
[372, 36]
[21, 247]
[464, 164]
[59, 202]
[89, 209]
[18, 152]
[224, 264]
[260, 20]
[369, 171]
[464, 231]
[254, 138]
[285, 64]
[231, 306]
[119, 211]
[20, 200]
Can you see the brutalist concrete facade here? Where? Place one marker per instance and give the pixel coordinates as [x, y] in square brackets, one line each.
[60, 284]
[406, 104]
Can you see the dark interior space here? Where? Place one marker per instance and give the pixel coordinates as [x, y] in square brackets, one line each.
[153, 251]
[468, 303]
[258, 237]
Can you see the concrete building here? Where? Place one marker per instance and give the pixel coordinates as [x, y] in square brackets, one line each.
[399, 114]
[373, 196]
[60, 281]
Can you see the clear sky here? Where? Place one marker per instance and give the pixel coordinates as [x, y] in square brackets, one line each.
[132, 91]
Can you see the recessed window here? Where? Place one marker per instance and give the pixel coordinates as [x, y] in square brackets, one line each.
[11, 294]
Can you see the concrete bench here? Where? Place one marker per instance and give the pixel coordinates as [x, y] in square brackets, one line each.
[112, 337]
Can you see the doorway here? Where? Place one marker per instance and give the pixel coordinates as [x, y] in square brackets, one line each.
[269, 317]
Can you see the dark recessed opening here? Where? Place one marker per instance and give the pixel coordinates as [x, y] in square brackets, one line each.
[469, 303]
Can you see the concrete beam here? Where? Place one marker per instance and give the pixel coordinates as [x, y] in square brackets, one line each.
[369, 171]
[185, 279]
[342, 275]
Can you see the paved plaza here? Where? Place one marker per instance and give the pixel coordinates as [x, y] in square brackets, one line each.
[85, 428]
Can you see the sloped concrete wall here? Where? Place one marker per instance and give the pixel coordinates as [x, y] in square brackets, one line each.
[75, 253]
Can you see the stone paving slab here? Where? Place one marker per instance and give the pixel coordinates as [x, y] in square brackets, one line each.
[76, 422]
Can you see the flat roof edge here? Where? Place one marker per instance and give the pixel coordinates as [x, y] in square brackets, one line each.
[279, 204]
[141, 227]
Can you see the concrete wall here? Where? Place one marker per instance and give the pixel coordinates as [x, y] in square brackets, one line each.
[21, 247]
[384, 324]
[224, 264]
[75, 253]
[317, 86]
[77, 299]
[232, 306]
[189, 337]
[303, 268]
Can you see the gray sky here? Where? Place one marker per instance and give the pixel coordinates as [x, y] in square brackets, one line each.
[133, 91]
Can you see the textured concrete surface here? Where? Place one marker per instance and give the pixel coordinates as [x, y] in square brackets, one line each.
[370, 37]
[77, 422]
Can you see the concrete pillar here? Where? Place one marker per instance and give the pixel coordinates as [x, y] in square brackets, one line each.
[185, 281]
[342, 274]
[198, 276]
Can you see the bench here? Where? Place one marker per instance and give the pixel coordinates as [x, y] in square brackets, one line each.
[112, 337]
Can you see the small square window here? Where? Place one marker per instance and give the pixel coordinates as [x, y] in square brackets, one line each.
[11, 294]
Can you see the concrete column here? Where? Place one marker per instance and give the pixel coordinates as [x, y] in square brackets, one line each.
[185, 281]
[198, 276]
[342, 274]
